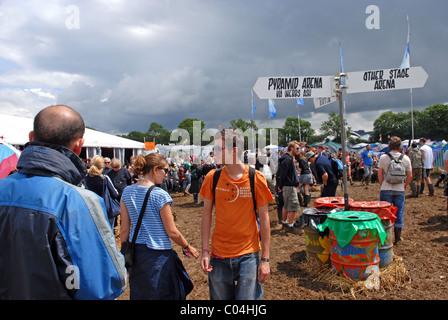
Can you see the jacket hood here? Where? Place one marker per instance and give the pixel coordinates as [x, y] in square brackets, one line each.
[49, 160]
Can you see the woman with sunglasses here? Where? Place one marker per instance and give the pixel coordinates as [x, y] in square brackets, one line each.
[157, 272]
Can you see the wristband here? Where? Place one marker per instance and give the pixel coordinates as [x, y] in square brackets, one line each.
[264, 259]
[185, 252]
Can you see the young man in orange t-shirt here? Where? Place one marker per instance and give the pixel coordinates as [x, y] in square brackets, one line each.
[234, 269]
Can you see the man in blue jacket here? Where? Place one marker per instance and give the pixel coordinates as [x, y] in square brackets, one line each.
[56, 239]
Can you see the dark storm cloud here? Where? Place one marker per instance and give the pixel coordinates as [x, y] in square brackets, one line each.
[129, 63]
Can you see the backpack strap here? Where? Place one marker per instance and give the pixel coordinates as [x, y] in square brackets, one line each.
[216, 176]
[392, 157]
[252, 187]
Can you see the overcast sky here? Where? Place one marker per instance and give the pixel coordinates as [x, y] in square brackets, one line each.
[123, 64]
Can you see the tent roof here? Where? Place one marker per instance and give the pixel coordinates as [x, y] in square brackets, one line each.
[15, 131]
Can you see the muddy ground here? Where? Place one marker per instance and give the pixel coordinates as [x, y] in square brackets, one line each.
[419, 270]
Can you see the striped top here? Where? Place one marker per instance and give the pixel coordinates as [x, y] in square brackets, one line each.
[152, 232]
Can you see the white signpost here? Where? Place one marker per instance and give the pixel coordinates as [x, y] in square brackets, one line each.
[320, 102]
[385, 79]
[326, 89]
[294, 87]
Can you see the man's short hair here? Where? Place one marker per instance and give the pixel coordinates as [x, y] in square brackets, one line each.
[59, 125]
[395, 143]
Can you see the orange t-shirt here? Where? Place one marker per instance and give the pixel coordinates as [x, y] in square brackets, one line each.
[236, 228]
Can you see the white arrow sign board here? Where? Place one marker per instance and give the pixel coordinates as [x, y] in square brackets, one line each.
[320, 102]
[385, 79]
[294, 87]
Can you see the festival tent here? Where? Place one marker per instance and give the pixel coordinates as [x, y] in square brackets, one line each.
[332, 146]
[438, 156]
[15, 130]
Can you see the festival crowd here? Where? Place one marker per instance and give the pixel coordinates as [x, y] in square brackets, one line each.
[58, 212]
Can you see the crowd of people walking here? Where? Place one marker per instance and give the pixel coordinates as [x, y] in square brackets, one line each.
[58, 214]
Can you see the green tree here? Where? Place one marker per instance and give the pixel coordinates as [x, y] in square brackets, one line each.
[290, 130]
[188, 125]
[135, 135]
[242, 125]
[332, 127]
[432, 122]
[157, 133]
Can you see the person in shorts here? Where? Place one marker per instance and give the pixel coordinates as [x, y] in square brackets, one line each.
[288, 181]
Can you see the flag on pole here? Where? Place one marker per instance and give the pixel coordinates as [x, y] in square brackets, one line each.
[299, 100]
[253, 104]
[342, 63]
[406, 62]
[272, 111]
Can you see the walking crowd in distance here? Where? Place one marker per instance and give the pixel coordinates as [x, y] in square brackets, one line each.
[58, 213]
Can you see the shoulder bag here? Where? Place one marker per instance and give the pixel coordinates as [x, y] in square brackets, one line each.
[112, 205]
[128, 248]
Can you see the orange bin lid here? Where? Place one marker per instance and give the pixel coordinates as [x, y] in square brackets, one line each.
[385, 210]
[331, 202]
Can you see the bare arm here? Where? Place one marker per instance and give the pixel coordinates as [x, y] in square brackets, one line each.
[173, 232]
[206, 224]
[265, 233]
[125, 223]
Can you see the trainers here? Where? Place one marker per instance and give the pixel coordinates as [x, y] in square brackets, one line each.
[293, 230]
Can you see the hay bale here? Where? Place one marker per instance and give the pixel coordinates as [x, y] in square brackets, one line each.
[390, 278]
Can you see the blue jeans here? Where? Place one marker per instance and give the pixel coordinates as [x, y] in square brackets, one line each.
[235, 278]
[367, 170]
[395, 198]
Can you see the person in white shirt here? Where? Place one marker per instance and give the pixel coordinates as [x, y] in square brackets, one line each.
[394, 193]
[428, 165]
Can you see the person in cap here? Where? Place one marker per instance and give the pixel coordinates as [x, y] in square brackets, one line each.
[324, 174]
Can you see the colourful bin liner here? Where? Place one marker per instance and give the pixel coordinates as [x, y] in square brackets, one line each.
[346, 224]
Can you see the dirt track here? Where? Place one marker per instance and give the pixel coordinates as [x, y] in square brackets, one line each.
[423, 271]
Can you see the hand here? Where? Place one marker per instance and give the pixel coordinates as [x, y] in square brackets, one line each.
[191, 250]
[264, 271]
[205, 263]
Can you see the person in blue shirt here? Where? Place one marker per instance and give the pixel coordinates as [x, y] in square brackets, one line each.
[157, 272]
[367, 157]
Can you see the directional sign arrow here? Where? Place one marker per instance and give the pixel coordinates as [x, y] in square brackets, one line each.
[294, 87]
[386, 79]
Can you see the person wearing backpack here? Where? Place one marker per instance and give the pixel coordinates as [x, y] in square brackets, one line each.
[237, 263]
[393, 181]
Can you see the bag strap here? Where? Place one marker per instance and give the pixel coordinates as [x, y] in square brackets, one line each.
[142, 211]
[252, 187]
[393, 158]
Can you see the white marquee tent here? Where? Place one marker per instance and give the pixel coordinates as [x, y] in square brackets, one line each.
[15, 131]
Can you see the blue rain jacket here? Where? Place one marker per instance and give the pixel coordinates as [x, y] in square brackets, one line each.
[56, 239]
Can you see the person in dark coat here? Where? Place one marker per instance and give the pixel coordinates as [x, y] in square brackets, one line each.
[196, 181]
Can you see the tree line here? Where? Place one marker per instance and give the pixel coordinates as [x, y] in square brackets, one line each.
[432, 122]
